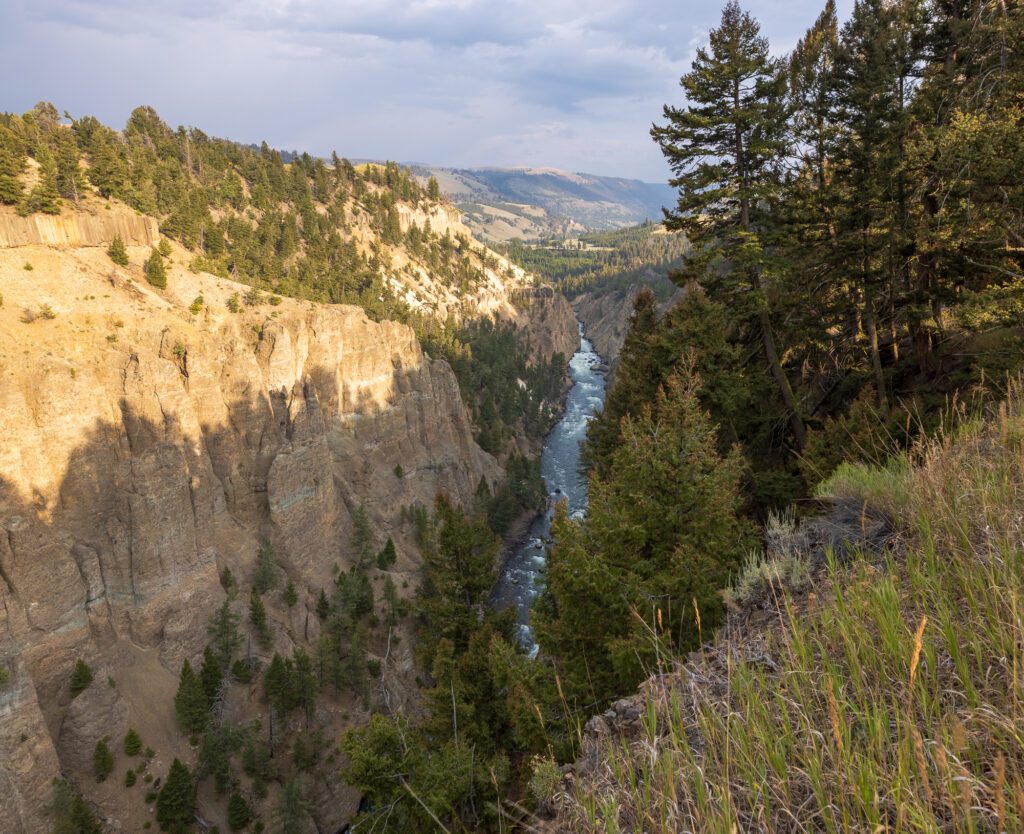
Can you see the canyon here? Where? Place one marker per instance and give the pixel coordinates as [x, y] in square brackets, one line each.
[149, 440]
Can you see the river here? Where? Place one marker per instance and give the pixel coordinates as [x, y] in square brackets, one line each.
[560, 469]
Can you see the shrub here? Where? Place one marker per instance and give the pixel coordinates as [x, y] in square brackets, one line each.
[80, 678]
[129, 778]
[241, 671]
[196, 306]
[234, 303]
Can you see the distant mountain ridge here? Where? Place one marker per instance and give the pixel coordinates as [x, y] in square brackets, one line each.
[502, 203]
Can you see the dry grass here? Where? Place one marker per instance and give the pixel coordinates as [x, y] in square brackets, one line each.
[892, 705]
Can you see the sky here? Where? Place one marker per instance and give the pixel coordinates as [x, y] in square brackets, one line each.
[571, 84]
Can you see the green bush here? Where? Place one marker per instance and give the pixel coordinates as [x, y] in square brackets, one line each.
[129, 778]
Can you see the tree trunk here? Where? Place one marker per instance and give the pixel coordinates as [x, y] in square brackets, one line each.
[876, 361]
[788, 400]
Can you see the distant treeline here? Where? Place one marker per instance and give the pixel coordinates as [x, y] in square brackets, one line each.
[604, 262]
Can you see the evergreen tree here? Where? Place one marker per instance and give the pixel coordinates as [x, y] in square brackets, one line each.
[190, 702]
[292, 809]
[117, 251]
[238, 812]
[393, 606]
[12, 165]
[387, 556]
[156, 274]
[662, 533]
[175, 804]
[224, 637]
[277, 684]
[265, 575]
[69, 171]
[72, 814]
[132, 742]
[433, 190]
[81, 677]
[258, 618]
[211, 674]
[291, 596]
[635, 384]
[459, 574]
[304, 685]
[108, 170]
[102, 761]
[361, 540]
[323, 606]
[44, 196]
[726, 149]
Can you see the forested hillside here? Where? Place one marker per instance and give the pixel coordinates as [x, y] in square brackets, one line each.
[854, 215]
[369, 236]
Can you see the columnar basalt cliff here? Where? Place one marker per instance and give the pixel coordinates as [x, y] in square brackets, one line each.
[78, 229]
[144, 448]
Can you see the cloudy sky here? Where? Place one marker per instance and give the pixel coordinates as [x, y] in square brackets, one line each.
[573, 84]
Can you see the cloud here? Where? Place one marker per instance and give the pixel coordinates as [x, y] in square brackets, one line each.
[460, 82]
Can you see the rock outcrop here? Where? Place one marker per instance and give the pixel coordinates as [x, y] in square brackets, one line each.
[78, 229]
[144, 448]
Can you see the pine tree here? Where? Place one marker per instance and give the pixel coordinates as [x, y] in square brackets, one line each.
[393, 607]
[277, 684]
[102, 761]
[238, 812]
[265, 575]
[211, 675]
[387, 556]
[156, 274]
[635, 384]
[117, 251]
[44, 196]
[132, 742]
[175, 805]
[190, 702]
[72, 814]
[292, 809]
[258, 618]
[459, 574]
[224, 637]
[662, 533]
[361, 540]
[726, 149]
[291, 596]
[433, 190]
[12, 165]
[80, 678]
[323, 606]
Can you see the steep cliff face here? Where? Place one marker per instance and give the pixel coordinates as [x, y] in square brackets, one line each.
[143, 448]
[96, 229]
[605, 319]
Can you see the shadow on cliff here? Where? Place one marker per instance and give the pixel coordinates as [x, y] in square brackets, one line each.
[123, 535]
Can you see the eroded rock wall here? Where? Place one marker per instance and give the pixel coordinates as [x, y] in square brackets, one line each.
[143, 448]
[78, 229]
